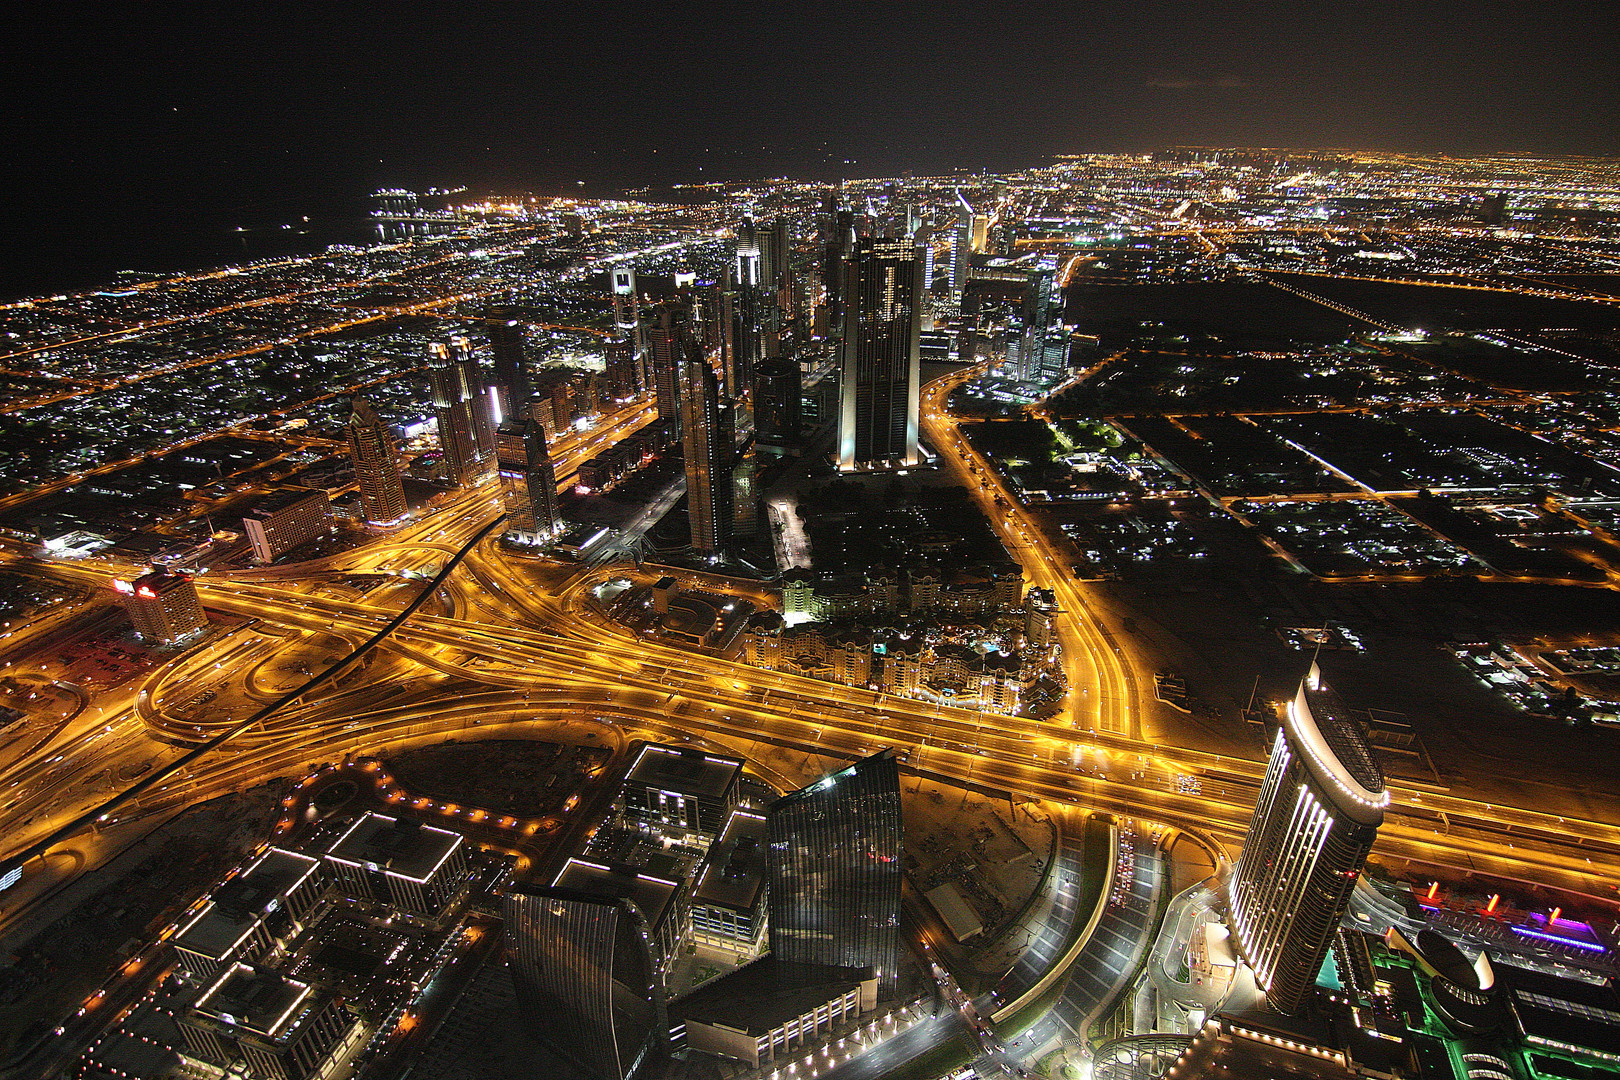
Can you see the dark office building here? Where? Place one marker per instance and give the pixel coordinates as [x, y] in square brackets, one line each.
[584, 977]
[881, 394]
[835, 851]
[777, 408]
[511, 388]
[708, 442]
[529, 481]
[619, 368]
[666, 343]
[1320, 806]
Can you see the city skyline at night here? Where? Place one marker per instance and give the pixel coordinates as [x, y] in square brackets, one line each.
[932, 543]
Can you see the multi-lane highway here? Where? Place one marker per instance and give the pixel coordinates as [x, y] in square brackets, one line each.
[518, 640]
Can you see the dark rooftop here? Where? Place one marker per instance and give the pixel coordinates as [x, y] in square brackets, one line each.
[651, 895]
[734, 872]
[402, 847]
[689, 772]
[759, 996]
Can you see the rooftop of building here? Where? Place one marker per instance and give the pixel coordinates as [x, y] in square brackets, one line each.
[765, 994]
[684, 771]
[281, 499]
[652, 896]
[1579, 1016]
[734, 872]
[256, 1000]
[238, 904]
[160, 581]
[404, 848]
[1335, 750]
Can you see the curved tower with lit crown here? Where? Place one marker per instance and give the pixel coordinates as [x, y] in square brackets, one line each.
[1320, 806]
[376, 465]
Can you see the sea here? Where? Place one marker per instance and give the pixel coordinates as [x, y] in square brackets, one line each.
[66, 229]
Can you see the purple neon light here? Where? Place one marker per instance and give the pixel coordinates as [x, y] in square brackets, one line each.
[1527, 932]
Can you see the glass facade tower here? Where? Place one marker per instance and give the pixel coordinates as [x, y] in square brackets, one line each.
[880, 391]
[835, 863]
[584, 977]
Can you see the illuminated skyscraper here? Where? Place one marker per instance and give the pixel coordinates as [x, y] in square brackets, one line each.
[162, 606]
[529, 481]
[584, 976]
[664, 359]
[462, 417]
[751, 295]
[1320, 806]
[961, 248]
[708, 440]
[834, 858]
[376, 465]
[880, 393]
[628, 331]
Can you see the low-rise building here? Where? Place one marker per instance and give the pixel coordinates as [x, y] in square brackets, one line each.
[416, 868]
[767, 1009]
[679, 786]
[245, 914]
[728, 901]
[284, 1029]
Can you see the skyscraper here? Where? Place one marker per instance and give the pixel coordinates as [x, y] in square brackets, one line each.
[961, 248]
[664, 359]
[751, 296]
[834, 857]
[708, 442]
[376, 465]
[1043, 350]
[880, 395]
[454, 376]
[511, 388]
[628, 333]
[528, 479]
[777, 408]
[1320, 806]
[584, 976]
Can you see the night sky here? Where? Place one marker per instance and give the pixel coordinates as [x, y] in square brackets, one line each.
[165, 108]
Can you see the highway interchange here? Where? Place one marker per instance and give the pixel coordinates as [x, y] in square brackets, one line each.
[513, 640]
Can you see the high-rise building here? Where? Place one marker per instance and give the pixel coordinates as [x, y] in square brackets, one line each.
[835, 850]
[376, 465]
[1320, 806]
[1043, 349]
[923, 240]
[708, 441]
[628, 328]
[778, 387]
[961, 248]
[462, 409]
[511, 387]
[163, 606]
[285, 519]
[750, 297]
[584, 976]
[664, 358]
[529, 480]
[880, 392]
